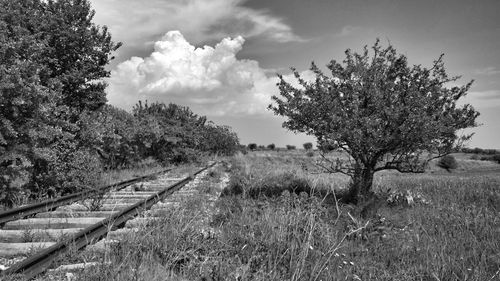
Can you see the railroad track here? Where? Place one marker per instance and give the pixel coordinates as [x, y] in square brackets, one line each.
[55, 228]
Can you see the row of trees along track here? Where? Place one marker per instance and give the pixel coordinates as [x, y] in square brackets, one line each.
[43, 259]
[57, 133]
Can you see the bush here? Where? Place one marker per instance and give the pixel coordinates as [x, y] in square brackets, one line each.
[252, 146]
[326, 147]
[14, 174]
[184, 155]
[271, 146]
[310, 154]
[290, 147]
[64, 170]
[475, 157]
[496, 158]
[448, 162]
[308, 146]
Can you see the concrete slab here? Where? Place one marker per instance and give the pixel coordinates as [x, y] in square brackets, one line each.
[105, 207]
[35, 235]
[8, 250]
[54, 223]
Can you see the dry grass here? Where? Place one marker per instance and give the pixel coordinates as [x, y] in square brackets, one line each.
[437, 226]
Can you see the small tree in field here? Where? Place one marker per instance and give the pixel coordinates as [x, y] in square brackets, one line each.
[307, 146]
[271, 146]
[252, 146]
[382, 112]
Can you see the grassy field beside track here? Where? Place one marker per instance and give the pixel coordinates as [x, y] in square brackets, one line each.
[433, 226]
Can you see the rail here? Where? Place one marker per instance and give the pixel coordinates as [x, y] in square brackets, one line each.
[51, 204]
[38, 263]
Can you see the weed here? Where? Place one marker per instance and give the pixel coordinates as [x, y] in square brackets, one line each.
[427, 227]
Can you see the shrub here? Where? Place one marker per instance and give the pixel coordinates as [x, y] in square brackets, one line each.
[290, 147]
[326, 147]
[64, 170]
[252, 146]
[496, 158]
[310, 154]
[448, 162]
[13, 176]
[271, 146]
[184, 155]
[308, 146]
[475, 157]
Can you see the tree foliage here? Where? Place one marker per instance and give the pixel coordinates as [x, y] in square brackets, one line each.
[252, 146]
[220, 140]
[56, 133]
[77, 51]
[171, 131]
[382, 112]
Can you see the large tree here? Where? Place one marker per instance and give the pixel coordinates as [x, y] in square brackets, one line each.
[382, 112]
[52, 61]
[77, 52]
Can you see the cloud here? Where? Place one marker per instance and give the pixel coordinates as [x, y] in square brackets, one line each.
[210, 80]
[487, 71]
[134, 21]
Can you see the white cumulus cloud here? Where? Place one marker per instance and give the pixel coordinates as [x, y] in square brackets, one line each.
[211, 80]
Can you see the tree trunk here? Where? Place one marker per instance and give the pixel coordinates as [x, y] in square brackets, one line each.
[361, 184]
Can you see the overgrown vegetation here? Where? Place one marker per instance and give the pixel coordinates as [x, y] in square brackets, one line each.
[275, 220]
[483, 154]
[56, 132]
[427, 228]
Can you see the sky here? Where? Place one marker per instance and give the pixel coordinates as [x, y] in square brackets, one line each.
[221, 57]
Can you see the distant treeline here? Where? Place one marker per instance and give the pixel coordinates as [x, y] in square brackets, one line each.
[272, 146]
[478, 150]
[483, 154]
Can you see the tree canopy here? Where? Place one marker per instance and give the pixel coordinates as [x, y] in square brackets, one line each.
[56, 132]
[384, 113]
[52, 61]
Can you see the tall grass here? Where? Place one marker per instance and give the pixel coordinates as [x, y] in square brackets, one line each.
[450, 233]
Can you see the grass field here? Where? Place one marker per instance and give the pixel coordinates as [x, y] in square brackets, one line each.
[433, 226]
